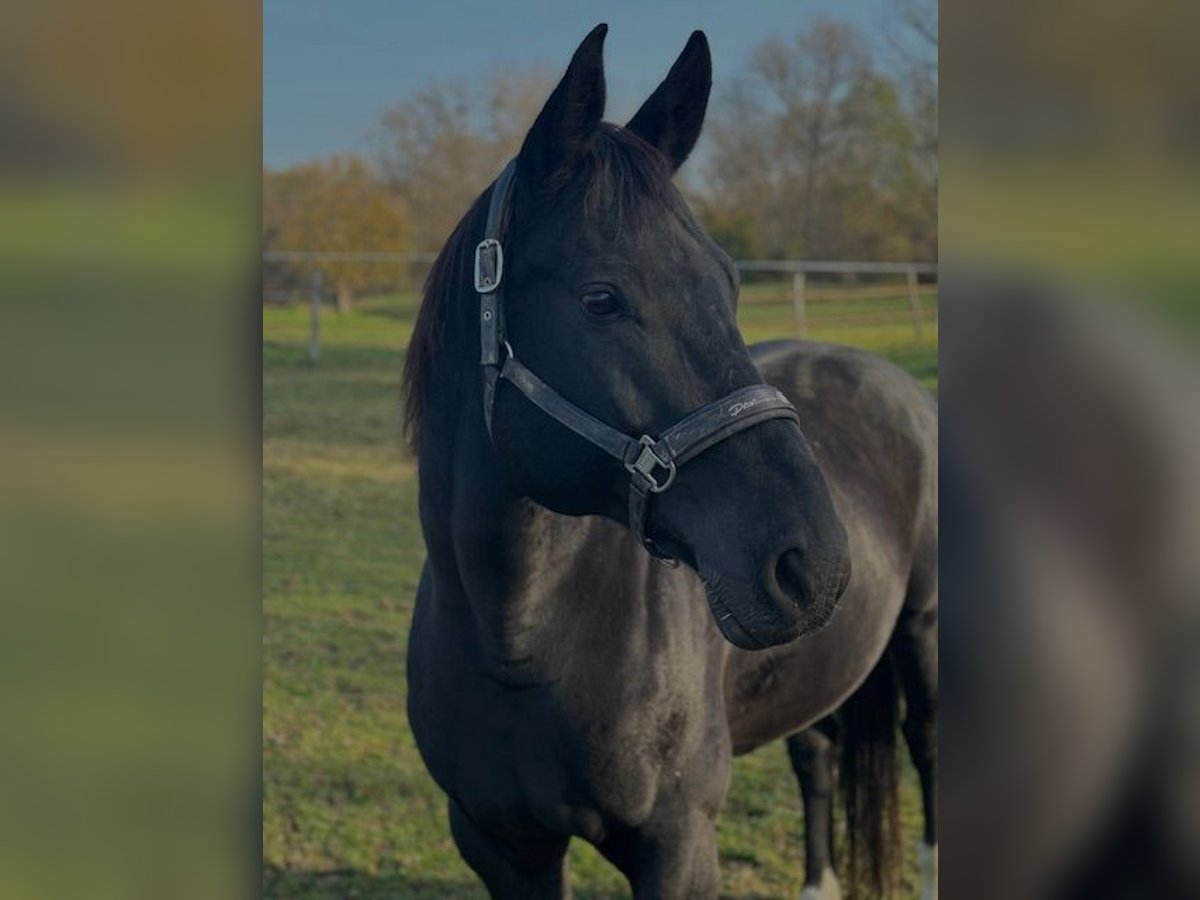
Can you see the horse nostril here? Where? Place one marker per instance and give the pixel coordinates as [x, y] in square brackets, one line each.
[791, 578]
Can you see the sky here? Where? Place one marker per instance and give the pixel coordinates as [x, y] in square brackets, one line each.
[331, 68]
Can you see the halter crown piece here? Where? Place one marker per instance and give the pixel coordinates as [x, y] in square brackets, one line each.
[651, 462]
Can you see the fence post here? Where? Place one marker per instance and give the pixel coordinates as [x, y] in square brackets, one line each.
[798, 303]
[914, 302]
[314, 341]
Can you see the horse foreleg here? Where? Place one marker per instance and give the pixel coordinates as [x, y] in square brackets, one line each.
[673, 856]
[812, 754]
[520, 864]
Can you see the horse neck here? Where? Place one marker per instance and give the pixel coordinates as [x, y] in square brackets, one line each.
[519, 571]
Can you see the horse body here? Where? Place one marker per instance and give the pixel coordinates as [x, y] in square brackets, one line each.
[564, 683]
[561, 681]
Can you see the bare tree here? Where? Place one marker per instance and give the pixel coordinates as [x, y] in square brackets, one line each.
[440, 146]
[814, 153]
[911, 31]
[920, 19]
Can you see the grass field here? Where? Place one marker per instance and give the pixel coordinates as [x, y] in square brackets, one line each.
[348, 809]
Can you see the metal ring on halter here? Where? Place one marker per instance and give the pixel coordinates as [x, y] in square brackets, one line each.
[647, 462]
[489, 265]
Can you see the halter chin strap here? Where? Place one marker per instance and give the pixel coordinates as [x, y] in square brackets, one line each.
[651, 462]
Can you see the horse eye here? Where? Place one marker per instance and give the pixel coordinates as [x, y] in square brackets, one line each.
[601, 304]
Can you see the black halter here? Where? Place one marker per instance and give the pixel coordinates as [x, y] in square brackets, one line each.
[651, 463]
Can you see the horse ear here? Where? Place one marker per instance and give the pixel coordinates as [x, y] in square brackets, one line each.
[671, 119]
[571, 116]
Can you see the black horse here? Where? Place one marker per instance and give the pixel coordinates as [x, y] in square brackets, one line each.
[561, 680]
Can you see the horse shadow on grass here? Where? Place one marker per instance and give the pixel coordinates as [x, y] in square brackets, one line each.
[336, 884]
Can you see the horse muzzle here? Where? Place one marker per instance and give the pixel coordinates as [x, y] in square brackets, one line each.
[795, 594]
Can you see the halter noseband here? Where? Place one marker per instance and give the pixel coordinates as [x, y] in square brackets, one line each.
[651, 463]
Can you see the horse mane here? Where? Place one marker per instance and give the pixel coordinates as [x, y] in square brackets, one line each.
[445, 281]
[624, 181]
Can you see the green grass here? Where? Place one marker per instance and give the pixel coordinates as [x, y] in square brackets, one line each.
[348, 809]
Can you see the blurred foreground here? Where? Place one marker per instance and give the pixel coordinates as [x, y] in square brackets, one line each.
[1071, 298]
[128, 486]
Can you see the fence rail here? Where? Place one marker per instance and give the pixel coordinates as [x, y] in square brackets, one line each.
[311, 256]
[799, 269]
[817, 267]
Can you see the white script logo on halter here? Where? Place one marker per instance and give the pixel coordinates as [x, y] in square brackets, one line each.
[737, 409]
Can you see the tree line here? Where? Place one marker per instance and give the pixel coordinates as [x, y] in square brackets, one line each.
[823, 147]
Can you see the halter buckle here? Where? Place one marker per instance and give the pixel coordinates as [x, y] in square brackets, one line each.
[648, 462]
[489, 265]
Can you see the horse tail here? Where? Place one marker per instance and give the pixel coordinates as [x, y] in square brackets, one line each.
[870, 785]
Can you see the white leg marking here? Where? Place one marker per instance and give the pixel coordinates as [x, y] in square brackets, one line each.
[928, 863]
[828, 889]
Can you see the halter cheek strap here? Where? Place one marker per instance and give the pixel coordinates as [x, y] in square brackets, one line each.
[651, 463]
